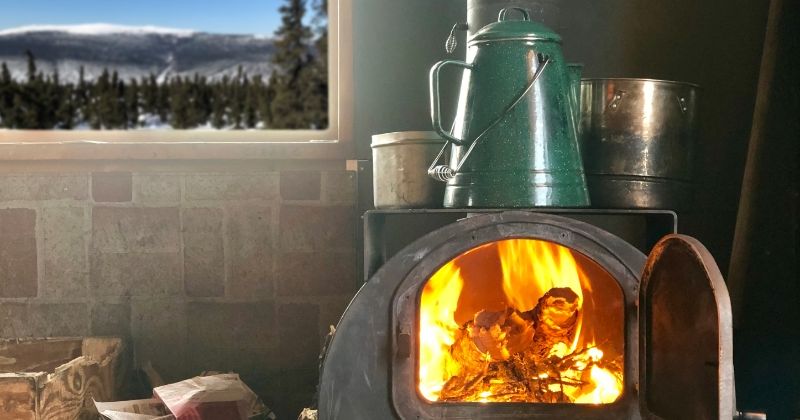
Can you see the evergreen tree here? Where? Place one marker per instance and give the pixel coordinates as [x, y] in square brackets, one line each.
[291, 56]
[32, 99]
[7, 88]
[150, 95]
[219, 104]
[19, 116]
[179, 100]
[249, 107]
[82, 97]
[50, 97]
[118, 117]
[31, 65]
[265, 101]
[235, 105]
[163, 99]
[5, 75]
[132, 104]
[200, 101]
[102, 102]
[315, 76]
[67, 110]
[256, 100]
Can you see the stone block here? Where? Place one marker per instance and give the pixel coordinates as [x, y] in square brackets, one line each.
[339, 187]
[66, 268]
[19, 320]
[18, 260]
[111, 319]
[157, 188]
[250, 252]
[314, 228]
[238, 336]
[300, 185]
[315, 273]
[298, 326]
[203, 255]
[36, 187]
[135, 274]
[158, 330]
[136, 229]
[112, 187]
[232, 186]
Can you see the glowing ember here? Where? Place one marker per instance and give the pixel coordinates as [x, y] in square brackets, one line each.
[607, 387]
[534, 345]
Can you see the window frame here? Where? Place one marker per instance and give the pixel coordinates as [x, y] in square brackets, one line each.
[335, 142]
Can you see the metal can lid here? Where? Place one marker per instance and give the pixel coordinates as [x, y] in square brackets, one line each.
[406, 137]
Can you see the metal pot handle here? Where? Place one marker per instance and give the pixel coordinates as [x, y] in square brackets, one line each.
[444, 172]
[436, 109]
[502, 15]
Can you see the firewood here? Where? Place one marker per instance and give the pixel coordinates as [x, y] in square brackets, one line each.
[499, 334]
[555, 317]
[509, 356]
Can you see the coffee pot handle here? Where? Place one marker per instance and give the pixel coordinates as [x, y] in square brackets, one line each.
[436, 109]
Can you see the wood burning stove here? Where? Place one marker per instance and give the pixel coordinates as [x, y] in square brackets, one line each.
[516, 314]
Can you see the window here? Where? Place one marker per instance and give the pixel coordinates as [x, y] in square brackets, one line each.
[153, 72]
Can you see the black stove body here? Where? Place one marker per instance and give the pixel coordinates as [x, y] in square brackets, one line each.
[676, 328]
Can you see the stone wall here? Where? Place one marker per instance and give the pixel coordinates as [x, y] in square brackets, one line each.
[201, 269]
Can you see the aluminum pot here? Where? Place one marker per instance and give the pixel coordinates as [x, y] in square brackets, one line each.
[637, 139]
[400, 170]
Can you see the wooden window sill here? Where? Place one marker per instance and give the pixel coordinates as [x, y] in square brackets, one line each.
[50, 149]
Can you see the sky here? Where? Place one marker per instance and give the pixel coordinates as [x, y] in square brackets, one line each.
[220, 16]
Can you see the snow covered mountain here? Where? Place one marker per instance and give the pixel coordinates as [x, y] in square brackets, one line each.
[133, 51]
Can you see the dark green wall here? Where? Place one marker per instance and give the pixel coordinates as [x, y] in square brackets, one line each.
[396, 43]
[716, 44]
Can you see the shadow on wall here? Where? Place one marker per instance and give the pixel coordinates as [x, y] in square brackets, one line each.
[714, 44]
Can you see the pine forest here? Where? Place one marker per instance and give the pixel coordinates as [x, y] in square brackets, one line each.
[294, 96]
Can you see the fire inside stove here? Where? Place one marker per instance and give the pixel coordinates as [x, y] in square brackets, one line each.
[521, 320]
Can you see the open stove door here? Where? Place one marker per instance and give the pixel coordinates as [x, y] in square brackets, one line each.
[685, 340]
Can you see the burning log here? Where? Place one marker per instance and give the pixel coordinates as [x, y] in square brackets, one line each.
[500, 334]
[512, 356]
[481, 348]
[555, 317]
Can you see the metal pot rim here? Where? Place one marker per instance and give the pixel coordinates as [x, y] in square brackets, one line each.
[636, 79]
[406, 137]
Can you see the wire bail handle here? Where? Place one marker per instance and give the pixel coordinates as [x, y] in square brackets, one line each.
[444, 172]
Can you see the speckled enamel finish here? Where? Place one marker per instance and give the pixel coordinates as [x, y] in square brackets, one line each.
[531, 157]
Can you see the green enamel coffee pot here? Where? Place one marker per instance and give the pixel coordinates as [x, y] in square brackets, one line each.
[514, 140]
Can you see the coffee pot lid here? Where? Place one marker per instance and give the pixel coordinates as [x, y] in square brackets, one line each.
[511, 30]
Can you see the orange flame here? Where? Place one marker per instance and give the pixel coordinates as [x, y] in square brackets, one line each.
[438, 328]
[530, 268]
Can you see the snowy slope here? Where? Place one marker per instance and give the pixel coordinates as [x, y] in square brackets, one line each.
[133, 51]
